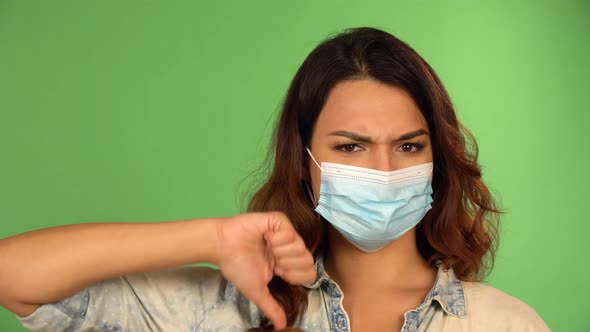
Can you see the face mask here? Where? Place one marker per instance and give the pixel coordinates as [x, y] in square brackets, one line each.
[372, 208]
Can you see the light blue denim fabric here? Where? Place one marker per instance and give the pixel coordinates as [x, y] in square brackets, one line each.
[198, 299]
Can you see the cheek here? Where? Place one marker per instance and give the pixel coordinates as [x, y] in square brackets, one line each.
[429, 155]
[315, 180]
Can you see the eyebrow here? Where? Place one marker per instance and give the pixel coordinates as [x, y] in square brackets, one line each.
[366, 139]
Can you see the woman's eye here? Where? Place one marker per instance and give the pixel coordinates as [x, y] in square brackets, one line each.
[409, 147]
[348, 147]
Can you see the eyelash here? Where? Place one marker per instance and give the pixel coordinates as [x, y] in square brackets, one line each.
[416, 146]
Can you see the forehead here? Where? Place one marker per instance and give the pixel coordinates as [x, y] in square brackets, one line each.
[370, 107]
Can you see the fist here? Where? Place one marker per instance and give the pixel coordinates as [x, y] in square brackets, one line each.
[253, 247]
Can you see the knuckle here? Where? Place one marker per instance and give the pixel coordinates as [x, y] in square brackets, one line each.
[272, 239]
[292, 236]
[279, 215]
[311, 276]
[287, 275]
[302, 250]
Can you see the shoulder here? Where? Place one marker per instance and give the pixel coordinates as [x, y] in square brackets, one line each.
[505, 312]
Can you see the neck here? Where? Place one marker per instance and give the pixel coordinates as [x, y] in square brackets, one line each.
[398, 266]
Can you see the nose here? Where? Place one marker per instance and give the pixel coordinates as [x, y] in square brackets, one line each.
[383, 160]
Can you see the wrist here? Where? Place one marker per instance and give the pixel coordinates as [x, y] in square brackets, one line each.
[204, 240]
[221, 238]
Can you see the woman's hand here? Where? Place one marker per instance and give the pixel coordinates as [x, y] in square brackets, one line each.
[255, 246]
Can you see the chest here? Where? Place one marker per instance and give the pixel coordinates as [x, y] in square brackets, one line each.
[379, 312]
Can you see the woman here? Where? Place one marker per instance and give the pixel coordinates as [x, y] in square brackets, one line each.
[374, 218]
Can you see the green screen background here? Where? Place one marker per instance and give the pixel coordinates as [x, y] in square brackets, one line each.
[158, 111]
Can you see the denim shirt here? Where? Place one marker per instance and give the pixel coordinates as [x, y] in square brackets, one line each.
[198, 299]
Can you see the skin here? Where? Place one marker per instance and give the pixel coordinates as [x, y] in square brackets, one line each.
[51, 264]
[361, 125]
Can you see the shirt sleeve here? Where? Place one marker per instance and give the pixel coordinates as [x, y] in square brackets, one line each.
[168, 300]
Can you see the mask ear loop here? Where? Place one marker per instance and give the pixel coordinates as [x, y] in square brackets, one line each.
[308, 185]
[310, 193]
[312, 158]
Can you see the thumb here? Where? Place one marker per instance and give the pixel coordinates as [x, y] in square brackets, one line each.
[271, 309]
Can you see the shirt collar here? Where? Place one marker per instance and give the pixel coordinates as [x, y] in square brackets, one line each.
[447, 289]
[322, 277]
[448, 292]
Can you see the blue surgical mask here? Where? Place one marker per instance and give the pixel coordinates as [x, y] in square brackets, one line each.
[372, 208]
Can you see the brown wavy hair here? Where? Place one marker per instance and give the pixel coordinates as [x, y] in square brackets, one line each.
[459, 232]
